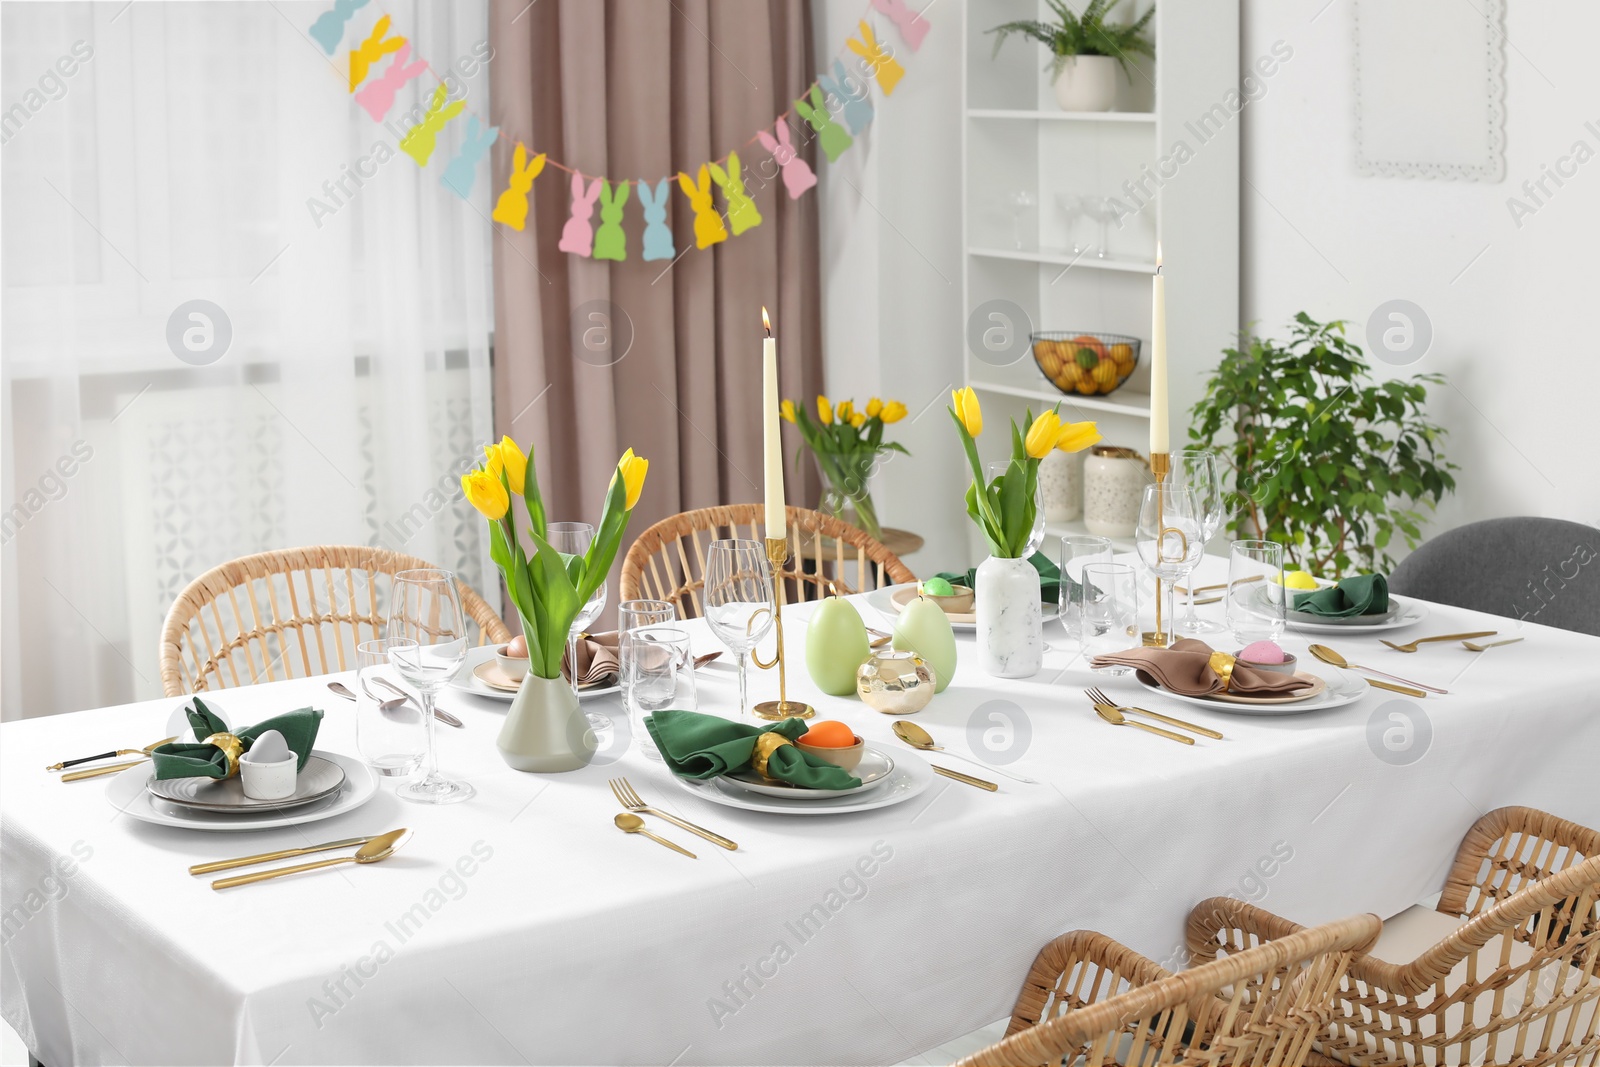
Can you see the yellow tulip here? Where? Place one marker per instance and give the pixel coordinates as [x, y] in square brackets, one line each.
[874, 408]
[846, 411]
[484, 492]
[858, 420]
[1077, 436]
[824, 410]
[894, 411]
[506, 455]
[633, 469]
[965, 401]
[1042, 435]
[786, 409]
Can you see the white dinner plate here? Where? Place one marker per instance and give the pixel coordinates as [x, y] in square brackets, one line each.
[882, 601]
[320, 778]
[875, 768]
[127, 793]
[910, 777]
[467, 682]
[1340, 691]
[1410, 612]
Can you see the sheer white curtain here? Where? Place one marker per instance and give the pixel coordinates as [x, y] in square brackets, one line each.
[161, 153]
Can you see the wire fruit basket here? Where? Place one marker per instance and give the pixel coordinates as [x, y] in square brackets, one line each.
[1086, 364]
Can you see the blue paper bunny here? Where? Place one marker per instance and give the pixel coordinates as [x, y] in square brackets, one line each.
[852, 94]
[657, 234]
[463, 170]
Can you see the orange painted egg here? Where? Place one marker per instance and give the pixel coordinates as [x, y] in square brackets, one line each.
[829, 734]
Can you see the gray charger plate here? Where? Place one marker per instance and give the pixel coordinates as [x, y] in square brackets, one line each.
[320, 778]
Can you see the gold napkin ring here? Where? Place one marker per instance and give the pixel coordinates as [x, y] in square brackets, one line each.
[1222, 663]
[766, 745]
[231, 747]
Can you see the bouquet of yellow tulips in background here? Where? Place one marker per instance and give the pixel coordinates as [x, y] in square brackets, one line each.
[847, 442]
[1004, 509]
[549, 588]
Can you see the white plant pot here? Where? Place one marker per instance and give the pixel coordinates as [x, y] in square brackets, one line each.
[1087, 83]
[1009, 623]
[545, 731]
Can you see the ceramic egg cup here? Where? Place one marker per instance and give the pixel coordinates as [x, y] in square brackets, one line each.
[268, 781]
[513, 667]
[845, 758]
[958, 602]
[1286, 667]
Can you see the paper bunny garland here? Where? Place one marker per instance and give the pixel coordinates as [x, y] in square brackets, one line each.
[912, 26]
[463, 170]
[328, 30]
[885, 67]
[577, 236]
[742, 213]
[374, 48]
[797, 175]
[657, 235]
[853, 96]
[377, 96]
[708, 227]
[610, 242]
[419, 143]
[832, 135]
[512, 207]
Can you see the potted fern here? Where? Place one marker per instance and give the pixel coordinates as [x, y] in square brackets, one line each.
[1085, 50]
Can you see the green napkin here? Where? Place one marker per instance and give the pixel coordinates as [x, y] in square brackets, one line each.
[705, 746]
[1049, 578]
[1365, 594]
[180, 759]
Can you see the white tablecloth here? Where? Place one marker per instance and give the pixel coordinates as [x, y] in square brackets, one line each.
[522, 927]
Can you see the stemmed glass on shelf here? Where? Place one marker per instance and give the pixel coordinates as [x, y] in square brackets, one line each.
[427, 643]
[1169, 542]
[573, 539]
[738, 590]
[1197, 469]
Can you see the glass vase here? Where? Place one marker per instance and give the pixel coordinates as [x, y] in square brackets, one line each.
[847, 496]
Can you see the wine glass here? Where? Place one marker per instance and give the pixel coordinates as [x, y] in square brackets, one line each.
[1197, 469]
[738, 589]
[1036, 534]
[572, 539]
[1169, 544]
[427, 643]
[1021, 201]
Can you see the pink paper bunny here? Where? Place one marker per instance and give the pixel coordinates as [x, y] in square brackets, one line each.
[378, 96]
[797, 175]
[912, 26]
[577, 236]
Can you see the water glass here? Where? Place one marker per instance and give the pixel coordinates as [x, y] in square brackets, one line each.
[427, 633]
[1257, 601]
[738, 594]
[392, 741]
[1036, 533]
[632, 614]
[1110, 612]
[657, 673]
[573, 539]
[1077, 552]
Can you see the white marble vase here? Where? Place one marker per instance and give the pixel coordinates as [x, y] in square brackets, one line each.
[1009, 623]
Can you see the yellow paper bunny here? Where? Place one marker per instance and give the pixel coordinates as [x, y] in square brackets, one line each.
[885, 67]
[371, 50]
[708, 227]
[512, 207]
[419, 143]
[742, 213]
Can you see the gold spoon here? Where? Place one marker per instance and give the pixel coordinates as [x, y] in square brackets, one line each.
[1116, 718]
[379, 848]
[917, 737]
[1328, 655]
[1411, 646]
[630, 823]
[1475, 647]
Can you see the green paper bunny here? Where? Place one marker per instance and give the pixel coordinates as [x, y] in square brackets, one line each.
[833, 136]
[610, 242]
[742, 213]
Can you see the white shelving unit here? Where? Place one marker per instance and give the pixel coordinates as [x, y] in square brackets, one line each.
[1016, 140]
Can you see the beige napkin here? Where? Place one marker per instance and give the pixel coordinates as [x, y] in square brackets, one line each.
[598, 661]
[1186, 668]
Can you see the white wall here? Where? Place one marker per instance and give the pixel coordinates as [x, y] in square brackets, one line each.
[1514, 329]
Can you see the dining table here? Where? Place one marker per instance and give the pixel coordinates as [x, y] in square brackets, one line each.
[522, 926]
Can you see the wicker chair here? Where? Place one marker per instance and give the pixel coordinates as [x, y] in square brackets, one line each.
[1503, 971]
[668, 560]
[1088, 1000]
[286, 614]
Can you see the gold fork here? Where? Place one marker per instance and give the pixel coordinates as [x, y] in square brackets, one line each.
[1412, 646]
[1099, 697]
[629, 798]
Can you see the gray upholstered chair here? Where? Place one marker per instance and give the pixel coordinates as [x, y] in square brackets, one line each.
[1538, 570]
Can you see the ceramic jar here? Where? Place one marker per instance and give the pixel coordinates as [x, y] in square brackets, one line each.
[1061, 486]
[1113, 486]
[1010, 624]
[545, 731]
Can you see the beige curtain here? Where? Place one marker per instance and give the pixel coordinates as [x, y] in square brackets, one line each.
[643, 89]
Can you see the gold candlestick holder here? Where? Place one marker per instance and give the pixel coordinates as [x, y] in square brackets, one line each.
[783, 707]
[1161, 466]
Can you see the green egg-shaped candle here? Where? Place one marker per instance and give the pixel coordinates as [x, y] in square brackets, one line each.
[836, 644]
[937, 586]
[924, 628]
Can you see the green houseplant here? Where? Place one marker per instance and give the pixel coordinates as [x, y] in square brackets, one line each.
[1325, 461]
[1083, 49]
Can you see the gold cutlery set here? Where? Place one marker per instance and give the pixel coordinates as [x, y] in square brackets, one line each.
[629, 821]
[917, 737]
[1118, 715]
[370, 850]
[112, 768]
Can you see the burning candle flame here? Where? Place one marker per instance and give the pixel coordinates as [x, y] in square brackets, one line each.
[766, 322]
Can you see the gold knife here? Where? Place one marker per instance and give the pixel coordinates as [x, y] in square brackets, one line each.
[1170, 721]
[78, 776]
[281, 854]
[1406, 689]
[967, 778]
